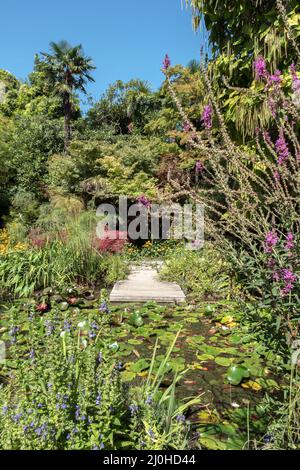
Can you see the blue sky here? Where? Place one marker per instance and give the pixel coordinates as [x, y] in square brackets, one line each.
[126, 38]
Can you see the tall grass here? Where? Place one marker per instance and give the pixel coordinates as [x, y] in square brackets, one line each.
[60, 261]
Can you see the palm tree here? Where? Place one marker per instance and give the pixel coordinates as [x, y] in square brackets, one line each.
[68, 70]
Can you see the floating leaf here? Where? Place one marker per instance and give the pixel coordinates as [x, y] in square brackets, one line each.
[136, 319]
[223, 361]
[212, 443]
[236, 373]
[127, 376]
[252, 385]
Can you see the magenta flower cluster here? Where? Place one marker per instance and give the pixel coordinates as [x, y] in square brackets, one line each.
[271, 241]
[295, 79]
[166, 62]
[286, 276]
[260, 68]
[282, 149]
[199, 167]
[262, 73]
[207, 115]
[276, 78]
[186, 126]
[144, 201]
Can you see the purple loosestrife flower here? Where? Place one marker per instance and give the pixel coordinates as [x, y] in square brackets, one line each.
[295, 79]
[290, 242]
[276, 78]
[267, 138]
[289, 279]
[166, 63]
[144, 201]
[206, 117]
[186, 126]
[287, 289]
[277, 176]
[271, 263]
[260, 68]
[272, 107]
[199, 167]
[271, 241]
[282, 148]
[289, 276]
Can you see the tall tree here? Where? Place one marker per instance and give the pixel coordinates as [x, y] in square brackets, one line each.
[68, 70]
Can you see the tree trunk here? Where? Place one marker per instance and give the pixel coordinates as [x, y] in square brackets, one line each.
[67, 136]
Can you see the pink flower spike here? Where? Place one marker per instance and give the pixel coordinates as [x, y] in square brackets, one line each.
[295, 78]
[144, 201]
[271, 241]
[282, 149]
[276, 78]
[186, 126]
[199, 167]
[260, 68]
[166, 62]
[206, 117]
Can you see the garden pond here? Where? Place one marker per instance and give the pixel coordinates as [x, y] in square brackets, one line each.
[215, 357]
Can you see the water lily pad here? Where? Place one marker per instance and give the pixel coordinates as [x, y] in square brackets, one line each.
[139, 366]
[223, 361]
[128, 376]
[136, 319]
[209, 310]
[135, 341]
[236, 373]
[205, 357]
[212, 443]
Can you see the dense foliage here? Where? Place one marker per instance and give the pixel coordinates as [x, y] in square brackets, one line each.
[223, 132]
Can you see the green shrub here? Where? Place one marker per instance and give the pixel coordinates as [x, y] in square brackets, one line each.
[201, 273]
